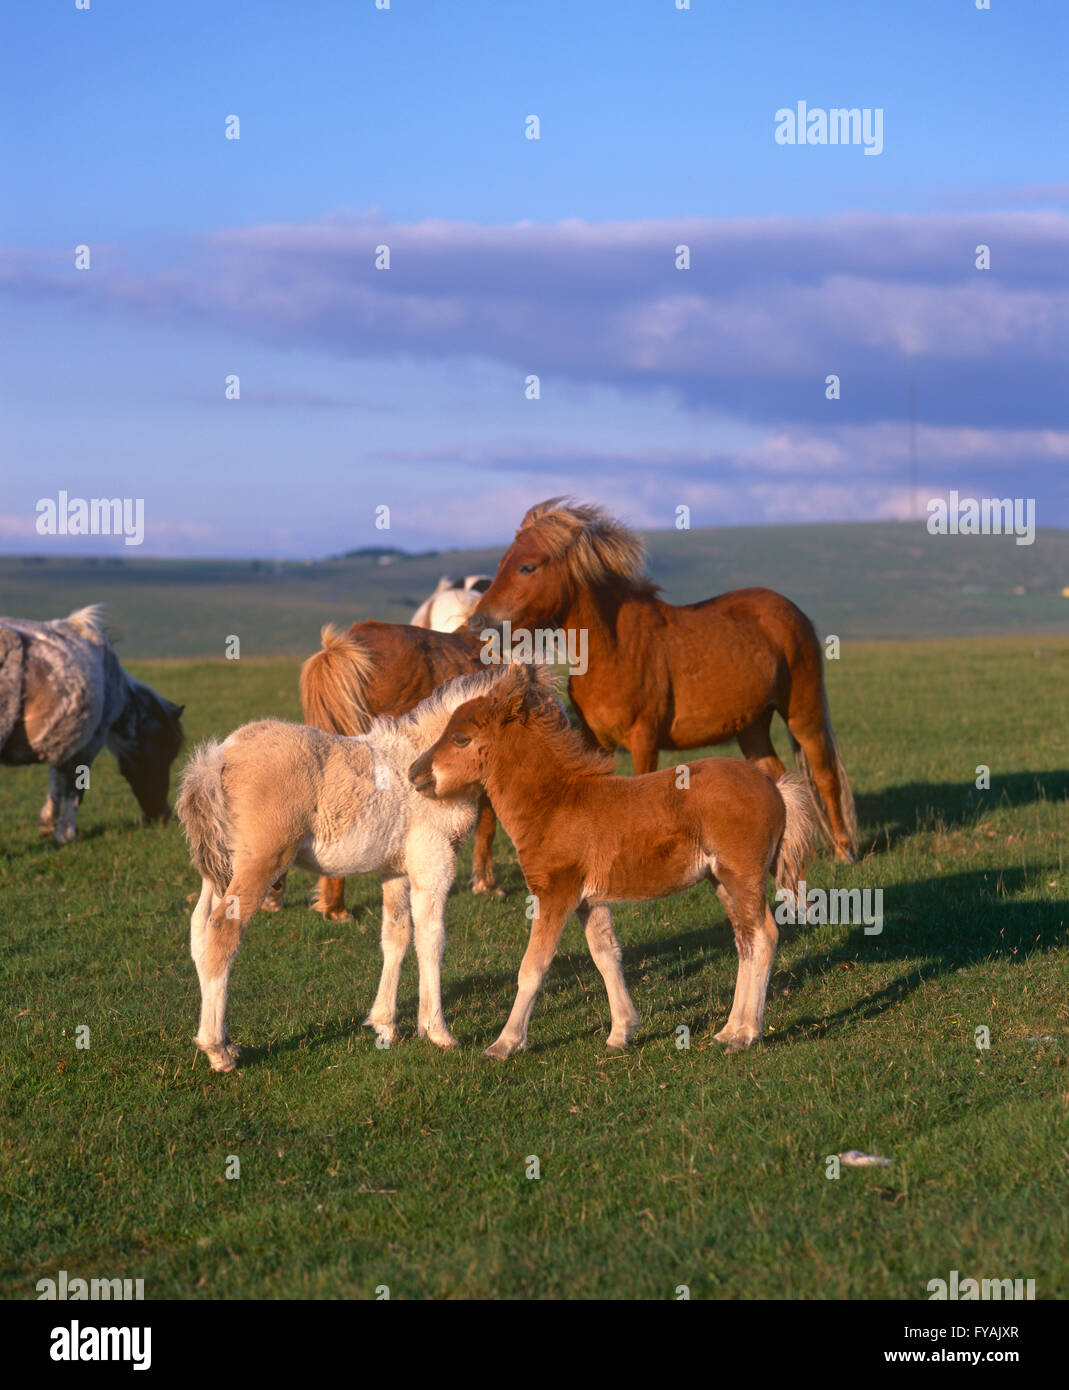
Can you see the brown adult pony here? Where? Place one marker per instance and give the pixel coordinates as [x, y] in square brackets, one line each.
[385, 669]
[662, 675]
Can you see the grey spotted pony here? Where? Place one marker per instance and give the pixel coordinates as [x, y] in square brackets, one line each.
[63, 696]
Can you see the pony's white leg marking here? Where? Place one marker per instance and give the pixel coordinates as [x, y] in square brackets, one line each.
[212, 1037]
[605, 949]
[428, 916]
[396, 938]
[739, 1003]
[764, 954]
[757, 949]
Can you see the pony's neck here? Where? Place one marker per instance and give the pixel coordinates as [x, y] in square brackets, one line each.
[124, 727]
[522, 765]
[597, 612]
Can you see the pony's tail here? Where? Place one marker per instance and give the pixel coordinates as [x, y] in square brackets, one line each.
[798, 833]
[846, 797]
[334, 685]
[201, 807]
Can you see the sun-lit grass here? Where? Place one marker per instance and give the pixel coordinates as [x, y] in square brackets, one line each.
[660, 1167]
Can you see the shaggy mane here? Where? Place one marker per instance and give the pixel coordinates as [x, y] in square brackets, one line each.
[440, 704]
[89, 621]
[596, 548]
[545, 712]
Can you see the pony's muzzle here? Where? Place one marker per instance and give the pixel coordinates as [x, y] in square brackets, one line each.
[421, 775]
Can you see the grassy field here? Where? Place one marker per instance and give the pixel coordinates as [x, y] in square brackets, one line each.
[406, 1167]
[858, 580]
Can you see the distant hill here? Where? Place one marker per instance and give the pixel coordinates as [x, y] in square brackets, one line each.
[858, 580]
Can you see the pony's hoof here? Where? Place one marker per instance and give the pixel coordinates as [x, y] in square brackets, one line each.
[272, 903]
[734, 1041]
[333, 914]
[440, 1036]
[45, 829]
[500, 1051]
[223, 1058]
[615, 1044]
[480, 886]
[385, 1032]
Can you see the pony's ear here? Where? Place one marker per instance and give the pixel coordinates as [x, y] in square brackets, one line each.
[544, 697]
[516, 690]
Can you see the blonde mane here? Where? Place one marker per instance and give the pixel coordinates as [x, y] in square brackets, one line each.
[596, 548]
[424, 723]
[89, 621]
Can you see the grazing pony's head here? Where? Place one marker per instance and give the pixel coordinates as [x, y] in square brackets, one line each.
[145, 741]
[477, 735]
[560, 549]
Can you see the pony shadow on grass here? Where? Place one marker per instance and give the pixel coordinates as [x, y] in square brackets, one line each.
[933, 927]
[897, 812]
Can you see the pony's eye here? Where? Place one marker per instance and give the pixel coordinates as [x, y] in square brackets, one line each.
[461, 740]
[527, 569]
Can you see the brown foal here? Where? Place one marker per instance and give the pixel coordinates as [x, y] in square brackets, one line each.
[586, 838]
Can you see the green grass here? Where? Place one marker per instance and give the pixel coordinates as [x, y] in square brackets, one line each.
[406, 1167]
[857, 580]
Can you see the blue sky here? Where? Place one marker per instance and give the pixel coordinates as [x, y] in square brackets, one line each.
[510, 256]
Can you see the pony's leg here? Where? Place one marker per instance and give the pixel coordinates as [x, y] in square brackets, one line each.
[198, 944]
[396, 938]
[642, 744]
[756, 746]
[276, 895]
[482, 878]
[811, 733]
[756, 937]
[67, 797]
[545, 934]
[605, 949]
[329, 900]
[216, 943]
[429, 893]
[50, 809]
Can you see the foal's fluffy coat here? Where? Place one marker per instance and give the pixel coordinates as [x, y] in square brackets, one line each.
[275, 794]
